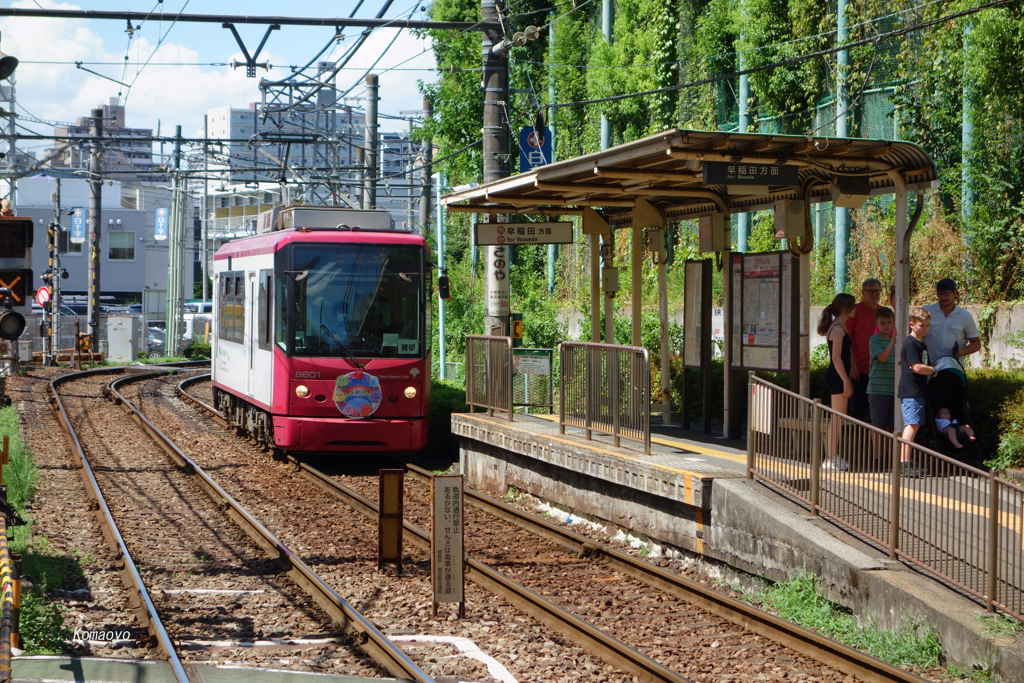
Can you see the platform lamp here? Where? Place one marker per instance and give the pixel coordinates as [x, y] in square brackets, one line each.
[7, 66]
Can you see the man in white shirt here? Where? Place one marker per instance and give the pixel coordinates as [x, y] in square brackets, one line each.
[950, 324]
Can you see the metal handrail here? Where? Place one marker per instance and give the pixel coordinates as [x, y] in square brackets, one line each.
[605, 388]
[955, 521]
[491, 390]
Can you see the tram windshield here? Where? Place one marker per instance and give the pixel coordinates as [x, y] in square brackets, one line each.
[343, 300]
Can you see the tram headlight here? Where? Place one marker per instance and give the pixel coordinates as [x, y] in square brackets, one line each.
[410, 392]
[302, 391]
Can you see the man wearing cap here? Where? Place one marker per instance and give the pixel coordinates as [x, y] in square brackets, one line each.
[861, 326]
[951, 325]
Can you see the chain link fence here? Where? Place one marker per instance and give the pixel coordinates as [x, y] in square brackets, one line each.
[32, 342]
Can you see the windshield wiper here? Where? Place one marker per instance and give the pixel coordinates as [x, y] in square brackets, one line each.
[341, 346]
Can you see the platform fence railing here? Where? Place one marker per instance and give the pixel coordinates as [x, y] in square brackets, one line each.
[955, 521]
[489, 374]
[606, 388]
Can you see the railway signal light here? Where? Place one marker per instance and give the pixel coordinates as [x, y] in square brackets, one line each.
[15, 237]
[12, 323]
[443, 288]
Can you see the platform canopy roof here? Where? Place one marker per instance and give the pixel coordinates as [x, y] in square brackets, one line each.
[667, 170]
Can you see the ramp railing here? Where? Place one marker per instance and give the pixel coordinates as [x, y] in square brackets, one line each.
[955, 521]
[606, 388]
[489, 373]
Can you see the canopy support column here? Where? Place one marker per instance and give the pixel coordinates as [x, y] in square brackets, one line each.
[659, 247]
[595, 226]
[637, 272]
[902, 280]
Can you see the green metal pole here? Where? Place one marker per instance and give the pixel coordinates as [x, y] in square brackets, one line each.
[842, 215]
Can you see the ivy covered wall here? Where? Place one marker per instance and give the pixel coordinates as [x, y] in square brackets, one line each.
[914, 87]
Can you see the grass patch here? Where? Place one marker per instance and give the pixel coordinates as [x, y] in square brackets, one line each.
[42, 621]
[797, 600]
[998, 625]
[42, 625]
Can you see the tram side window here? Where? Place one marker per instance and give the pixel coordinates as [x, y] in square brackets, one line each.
[222, 298]
[231, 307]
[266, 309]
[239, 308]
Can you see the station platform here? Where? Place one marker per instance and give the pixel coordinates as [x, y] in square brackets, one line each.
[690, 496]
[104, 670]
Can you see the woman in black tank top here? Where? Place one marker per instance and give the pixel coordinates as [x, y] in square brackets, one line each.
[832, 325]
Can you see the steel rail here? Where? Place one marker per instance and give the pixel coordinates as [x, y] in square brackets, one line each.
[397, 22]
[146, 610]
[376, 644]
[820, 648]
[798, 639]
[586, 635]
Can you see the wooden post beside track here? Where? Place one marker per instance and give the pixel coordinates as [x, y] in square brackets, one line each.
[389, 519]
[447, 558]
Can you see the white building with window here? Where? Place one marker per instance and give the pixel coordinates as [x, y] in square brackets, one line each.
[133, 264]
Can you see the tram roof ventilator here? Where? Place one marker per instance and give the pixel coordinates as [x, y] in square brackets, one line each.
[325, 218]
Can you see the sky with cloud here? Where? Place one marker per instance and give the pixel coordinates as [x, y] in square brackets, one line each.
[178, 85]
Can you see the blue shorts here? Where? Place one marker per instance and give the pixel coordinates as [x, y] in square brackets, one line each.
[913, 411]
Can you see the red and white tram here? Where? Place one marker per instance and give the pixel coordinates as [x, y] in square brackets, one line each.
[321, 332]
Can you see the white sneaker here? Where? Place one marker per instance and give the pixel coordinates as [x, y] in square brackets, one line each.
[835, 465]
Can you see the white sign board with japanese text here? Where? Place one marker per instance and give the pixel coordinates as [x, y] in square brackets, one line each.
[446, 561]
[530, 362]
[492, 234]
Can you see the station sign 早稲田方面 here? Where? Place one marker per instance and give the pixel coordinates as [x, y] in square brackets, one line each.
[729, 173]
[499, 234]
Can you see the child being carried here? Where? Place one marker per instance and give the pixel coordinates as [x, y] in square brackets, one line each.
[946, 424]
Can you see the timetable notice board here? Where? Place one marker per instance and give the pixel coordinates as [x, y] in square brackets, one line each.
[762, 310]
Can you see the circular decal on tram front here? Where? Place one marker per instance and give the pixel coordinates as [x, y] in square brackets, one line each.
[357, 394]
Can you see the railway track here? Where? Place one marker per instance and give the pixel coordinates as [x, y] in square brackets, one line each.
[654, 623]
[215, 577]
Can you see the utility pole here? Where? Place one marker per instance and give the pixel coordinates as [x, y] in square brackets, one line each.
[95, 197]
[410, 214]
[966, 133]
[842, 97]
[426, 161]
[607, 249]
[55, 275]
[175, 258]
[370, 142]
[12, 151]
[496, 162]
[552, 248]
[743, 220]
[206, 208]
[443, 365]
[607, 8]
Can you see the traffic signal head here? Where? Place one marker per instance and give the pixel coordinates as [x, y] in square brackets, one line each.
[15, 236]
[12, 324]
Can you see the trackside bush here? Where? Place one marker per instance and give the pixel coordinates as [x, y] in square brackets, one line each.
[445, 398]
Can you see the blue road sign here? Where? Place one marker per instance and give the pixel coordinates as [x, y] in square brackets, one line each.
[534, 148]
[77, 225]
[160, 227]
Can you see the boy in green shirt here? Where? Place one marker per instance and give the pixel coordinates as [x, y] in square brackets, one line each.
[882, 371]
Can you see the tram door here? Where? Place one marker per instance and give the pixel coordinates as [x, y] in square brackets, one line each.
[249, 379]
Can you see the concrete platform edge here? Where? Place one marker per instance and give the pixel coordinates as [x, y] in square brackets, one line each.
[735, 522]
